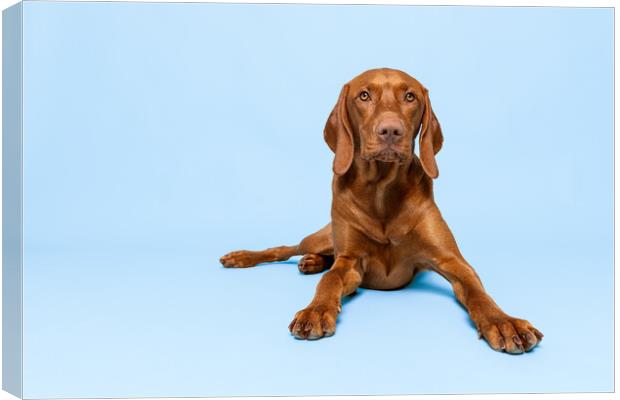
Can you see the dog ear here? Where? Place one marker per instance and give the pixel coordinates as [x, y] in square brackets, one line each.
[431, 138]
[338, 134]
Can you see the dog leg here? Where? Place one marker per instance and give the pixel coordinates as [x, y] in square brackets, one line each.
[318, 250]
[248, 258]
[314, 245]
[314, 263]
[319, 318]
[501, 331]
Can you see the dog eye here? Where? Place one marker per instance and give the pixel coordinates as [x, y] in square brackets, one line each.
[364, 96]
[410, 97]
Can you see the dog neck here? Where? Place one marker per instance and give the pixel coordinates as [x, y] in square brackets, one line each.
[380, 188]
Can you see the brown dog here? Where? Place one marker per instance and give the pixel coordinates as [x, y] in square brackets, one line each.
[385, 226]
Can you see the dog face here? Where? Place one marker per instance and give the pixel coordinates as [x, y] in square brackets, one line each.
[378, 116]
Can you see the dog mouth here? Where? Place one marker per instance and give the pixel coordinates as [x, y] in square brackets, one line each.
[387, 154]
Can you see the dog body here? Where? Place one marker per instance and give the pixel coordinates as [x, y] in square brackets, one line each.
[385, 226]
[388, 251]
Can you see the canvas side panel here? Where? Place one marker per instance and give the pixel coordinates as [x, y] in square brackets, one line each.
[12, 200]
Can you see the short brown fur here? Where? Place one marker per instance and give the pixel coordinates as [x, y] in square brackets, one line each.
[385, 226]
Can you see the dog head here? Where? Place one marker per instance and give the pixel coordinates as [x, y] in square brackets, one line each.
[378, 116]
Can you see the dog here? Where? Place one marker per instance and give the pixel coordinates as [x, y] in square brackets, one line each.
[385, 226]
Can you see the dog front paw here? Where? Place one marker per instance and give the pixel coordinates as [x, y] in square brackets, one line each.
[315, 321]
[512, 335]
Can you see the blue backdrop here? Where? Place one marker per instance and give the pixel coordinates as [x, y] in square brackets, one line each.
[158, 137]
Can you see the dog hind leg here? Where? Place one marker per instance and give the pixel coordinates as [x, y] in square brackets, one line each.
[318, 250]
[314, 263]
[317, 247]
[249, 258]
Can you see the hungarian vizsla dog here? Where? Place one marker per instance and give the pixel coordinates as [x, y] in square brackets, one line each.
[385, 226]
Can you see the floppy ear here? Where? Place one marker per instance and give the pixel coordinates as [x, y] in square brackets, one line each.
[431, 139]
[338, 134]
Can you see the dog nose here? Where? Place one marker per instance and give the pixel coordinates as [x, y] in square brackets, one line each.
[390, 130]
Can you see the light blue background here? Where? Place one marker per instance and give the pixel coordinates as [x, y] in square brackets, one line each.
[158, 137]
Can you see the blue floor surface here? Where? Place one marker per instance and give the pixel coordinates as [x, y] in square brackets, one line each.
[166, 323]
